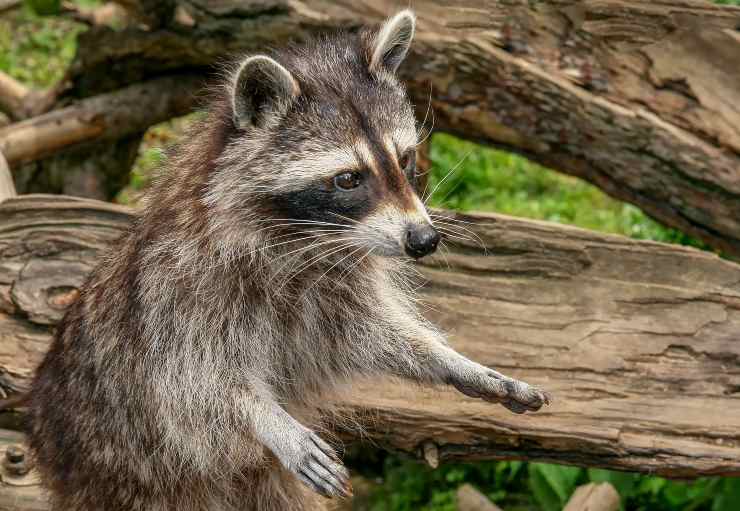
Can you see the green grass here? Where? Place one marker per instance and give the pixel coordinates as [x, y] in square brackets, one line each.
[485, 179]
[36, 50]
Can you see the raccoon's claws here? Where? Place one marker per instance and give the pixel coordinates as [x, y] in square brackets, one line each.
[321, 470]
[492, 386]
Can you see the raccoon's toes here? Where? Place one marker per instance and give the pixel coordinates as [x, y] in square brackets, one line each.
[517, 396]
[322, 471]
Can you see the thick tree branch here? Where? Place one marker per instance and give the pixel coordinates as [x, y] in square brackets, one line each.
[639, 98]
[637, 341]
[107, 117]
[20, 102]
[7, 186]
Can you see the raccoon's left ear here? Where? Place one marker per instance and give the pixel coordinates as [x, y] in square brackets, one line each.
[391, 44]
[262, 91]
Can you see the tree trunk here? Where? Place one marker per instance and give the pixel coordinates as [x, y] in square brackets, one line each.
[637, 341]
[640, 98]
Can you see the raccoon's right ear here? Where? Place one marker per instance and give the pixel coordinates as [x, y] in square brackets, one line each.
[262, 91]
[391, 44]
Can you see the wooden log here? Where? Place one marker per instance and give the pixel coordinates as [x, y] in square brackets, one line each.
[21, 102]
[639, 98]
[637, 341]
[107, 117]
[470, 499]
[7, 187]
[18, 492]
[12, 94]
[594, 497]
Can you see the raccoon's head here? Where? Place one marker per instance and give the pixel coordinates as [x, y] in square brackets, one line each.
[324, 140]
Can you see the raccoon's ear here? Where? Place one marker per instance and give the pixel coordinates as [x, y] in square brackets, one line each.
[262, 90]
[391, 44]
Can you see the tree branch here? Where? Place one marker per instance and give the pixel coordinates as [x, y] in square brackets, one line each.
[106, 117]
[637, 341]
[639, 98]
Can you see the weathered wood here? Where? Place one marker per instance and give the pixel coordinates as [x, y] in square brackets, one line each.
[470, 499]
[12, 94]
[9, 4]
[18, 492]
[107, 117]
[7, 187]
[640, 98]
[21, 102]
[594, 497]
[637, 341]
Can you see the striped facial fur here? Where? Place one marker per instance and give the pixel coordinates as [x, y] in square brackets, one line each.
[326, 139]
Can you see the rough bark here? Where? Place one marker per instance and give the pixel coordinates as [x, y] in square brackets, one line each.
[18, 492]
[103, 118]
[639, 98]
[88, 148]
[637, 341]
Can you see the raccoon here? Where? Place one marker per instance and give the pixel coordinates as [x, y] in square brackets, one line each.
[268, 267]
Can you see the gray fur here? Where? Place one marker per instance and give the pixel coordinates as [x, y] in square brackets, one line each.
[189, 373]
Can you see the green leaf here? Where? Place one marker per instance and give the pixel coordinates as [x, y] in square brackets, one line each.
[543, 493]
[44, 7]
[623, 482]
[730, 496]
[552, 485]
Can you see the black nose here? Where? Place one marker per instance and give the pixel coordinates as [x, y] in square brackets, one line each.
[421, 240]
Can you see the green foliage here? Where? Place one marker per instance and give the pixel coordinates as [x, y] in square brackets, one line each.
[36, 50]
[552, 485]
[44, 7]
[410, 486]
[466, 177]
[515, 485]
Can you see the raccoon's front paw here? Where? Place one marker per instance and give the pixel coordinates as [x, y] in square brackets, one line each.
[319, 468]
[492, 386]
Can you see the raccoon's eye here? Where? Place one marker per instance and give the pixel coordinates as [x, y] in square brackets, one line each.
[407, 160]
[348, 180]
[408, 164]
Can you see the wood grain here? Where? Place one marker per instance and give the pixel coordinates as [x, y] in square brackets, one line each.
[639, 98]
[637, 341]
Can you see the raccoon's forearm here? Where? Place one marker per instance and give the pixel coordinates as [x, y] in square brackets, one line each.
[434, 362]
[425, 357]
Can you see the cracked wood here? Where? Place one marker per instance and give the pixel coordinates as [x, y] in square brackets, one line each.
[637, 341]
[639, 98]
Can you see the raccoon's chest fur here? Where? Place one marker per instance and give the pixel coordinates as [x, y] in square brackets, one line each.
[301, 341]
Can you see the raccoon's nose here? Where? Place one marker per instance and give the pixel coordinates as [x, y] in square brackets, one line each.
[420, 240]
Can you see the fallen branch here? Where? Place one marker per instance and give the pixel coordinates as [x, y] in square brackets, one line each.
[637, 341]
[7, 186]
[639, 98]
[9, 4]
[106, 117]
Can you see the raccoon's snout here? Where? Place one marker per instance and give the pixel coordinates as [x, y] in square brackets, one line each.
[420, 240]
